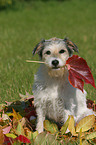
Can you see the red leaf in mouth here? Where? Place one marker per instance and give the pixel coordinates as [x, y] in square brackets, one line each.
[79, 72]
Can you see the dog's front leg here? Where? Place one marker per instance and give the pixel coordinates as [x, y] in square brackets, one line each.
[40, 120]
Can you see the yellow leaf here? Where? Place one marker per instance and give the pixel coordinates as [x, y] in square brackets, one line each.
[20, 129]
[86, 123]
[15, 114]
[29, 134]
[19, 116]
[50, 127]
[65, 126]
[11, 135]
[35, 134]
[71, 126]
[10, 114]
[80, 136]
[91, 135]
[23, 121]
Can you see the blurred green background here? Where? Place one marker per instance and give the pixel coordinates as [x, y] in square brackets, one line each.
[24, 23]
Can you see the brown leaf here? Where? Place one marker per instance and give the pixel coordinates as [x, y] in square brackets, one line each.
[27, 96]
[1, 136]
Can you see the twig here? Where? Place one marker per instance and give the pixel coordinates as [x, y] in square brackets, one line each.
[35, 61]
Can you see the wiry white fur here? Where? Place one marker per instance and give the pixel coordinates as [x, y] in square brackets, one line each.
[55, 98]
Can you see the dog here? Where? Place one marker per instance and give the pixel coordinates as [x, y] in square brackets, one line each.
[54, 97]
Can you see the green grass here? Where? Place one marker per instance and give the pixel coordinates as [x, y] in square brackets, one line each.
[22, 28]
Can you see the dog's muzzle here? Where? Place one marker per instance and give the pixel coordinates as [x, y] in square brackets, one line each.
[55, 64]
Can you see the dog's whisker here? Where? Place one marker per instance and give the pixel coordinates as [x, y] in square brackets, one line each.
[35, 61]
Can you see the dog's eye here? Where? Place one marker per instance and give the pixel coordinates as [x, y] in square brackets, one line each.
[48, 52]
[61, 51]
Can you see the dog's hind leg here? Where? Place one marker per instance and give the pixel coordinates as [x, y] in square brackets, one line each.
[82, 109]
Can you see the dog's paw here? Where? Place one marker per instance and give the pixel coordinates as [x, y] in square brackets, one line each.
[40, 130]
[39, 127]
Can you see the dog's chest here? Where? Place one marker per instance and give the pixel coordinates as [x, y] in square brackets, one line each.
[53, 102]
[52, 95]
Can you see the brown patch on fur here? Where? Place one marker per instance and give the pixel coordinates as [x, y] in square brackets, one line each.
[56, 52]
[54, 39]
[57, 73]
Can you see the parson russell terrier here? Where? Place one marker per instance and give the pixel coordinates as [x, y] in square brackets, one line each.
[54, 97]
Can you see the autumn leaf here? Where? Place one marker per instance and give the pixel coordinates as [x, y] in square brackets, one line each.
[31, 135]
[7, 129]
[86, 123]
[71, 126]
[79, 72]
[85, 142]
[5, 117]
[46, 139]
[80, 134]
[91, 135]
[1, 136]
[11, 135]
[27, 96]
[91, 104]
[40, 139]
[2, 107]
[8, 103]
[65, 126]
[23, 121]
[19, 129]
[23, 130]
[8, 140]
[23, 139]
[16, 115]
[50, 127]
[29, 112]
[35, 134]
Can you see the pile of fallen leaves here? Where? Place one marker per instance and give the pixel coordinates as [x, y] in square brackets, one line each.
[18, 122]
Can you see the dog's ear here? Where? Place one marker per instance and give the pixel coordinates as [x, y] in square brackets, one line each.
[70, 46]
[39, 47]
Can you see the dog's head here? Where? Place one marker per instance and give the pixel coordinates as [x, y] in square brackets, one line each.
[55, 52]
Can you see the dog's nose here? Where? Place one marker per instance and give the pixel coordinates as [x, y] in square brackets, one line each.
[55, 62]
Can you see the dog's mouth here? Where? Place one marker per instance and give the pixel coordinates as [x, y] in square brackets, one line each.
[57, 68]
[56, 71]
